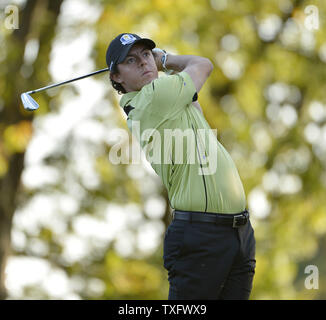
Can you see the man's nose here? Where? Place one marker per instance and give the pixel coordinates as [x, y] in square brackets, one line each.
[142, 61]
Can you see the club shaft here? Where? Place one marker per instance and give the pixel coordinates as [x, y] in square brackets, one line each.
[68, 81]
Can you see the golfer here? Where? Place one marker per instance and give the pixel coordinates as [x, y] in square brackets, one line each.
[209, 246]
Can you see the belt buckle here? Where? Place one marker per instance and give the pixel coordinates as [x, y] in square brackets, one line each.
[234, 224]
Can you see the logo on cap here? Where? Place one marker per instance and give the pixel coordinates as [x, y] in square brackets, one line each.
[127, 38]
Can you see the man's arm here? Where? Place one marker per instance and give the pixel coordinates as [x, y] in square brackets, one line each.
[198, 68]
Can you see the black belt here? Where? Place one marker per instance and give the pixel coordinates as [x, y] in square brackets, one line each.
[234, 220]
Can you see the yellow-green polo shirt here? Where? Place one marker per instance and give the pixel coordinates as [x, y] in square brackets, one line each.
[160, 109]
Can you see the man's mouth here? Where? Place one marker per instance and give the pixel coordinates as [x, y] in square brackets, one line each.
[146, 72]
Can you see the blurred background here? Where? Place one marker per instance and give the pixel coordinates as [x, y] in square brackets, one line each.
[73, 225]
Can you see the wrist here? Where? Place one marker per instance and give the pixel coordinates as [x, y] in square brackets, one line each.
[164, 61]
[158, 53]
[161, 59]
[168, 68]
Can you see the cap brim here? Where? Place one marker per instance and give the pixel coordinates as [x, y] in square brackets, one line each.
[148, 42]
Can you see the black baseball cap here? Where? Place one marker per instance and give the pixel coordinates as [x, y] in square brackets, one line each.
[120, 47]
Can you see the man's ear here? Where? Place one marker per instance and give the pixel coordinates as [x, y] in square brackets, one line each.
[116, 77]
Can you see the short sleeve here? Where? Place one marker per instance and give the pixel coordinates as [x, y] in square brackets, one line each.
[172, 94]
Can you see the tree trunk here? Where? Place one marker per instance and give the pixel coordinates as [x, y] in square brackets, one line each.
[37, 19]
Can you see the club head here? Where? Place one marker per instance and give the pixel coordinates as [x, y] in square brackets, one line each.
[29, 103]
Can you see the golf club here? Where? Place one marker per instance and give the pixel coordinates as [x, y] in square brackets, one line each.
[30, 104]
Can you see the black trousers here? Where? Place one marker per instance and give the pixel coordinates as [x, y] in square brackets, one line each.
[209, 261]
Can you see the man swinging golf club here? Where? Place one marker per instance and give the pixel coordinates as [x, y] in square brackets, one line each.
[209, 247]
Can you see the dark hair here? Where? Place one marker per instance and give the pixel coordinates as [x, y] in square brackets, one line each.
[116, 85]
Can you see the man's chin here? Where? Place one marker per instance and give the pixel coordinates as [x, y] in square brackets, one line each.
[146, 81]
[150, 79]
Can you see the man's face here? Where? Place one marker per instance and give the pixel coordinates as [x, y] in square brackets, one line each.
[138, 69]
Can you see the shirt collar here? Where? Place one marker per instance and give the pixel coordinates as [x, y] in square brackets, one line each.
[127, 97]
